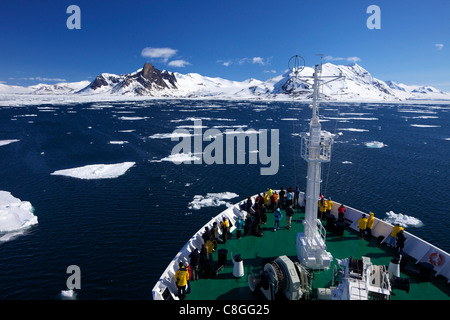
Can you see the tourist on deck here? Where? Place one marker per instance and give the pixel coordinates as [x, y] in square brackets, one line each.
[341, 213]
[249, 204]
[296, 198]
[181, 279]
[263, 214]
[224, 227]
[248, 224]
[328, 206]
[207, 235]
[189, 269]
[289, 197]
[215, 234]
[362, 225]
[281, 199]
[209, 248]
[239, 226]
[289, 214]
[203, 258]
[266, 200]
[276, 198]
[277, 215]
[393, 239]
[400, 241]
[194, 257]
[370, 223]
[321, 209]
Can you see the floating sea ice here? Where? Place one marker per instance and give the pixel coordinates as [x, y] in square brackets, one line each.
[5, 142]
[133, 118]
[424, 126]
[118, 142]
[353, 129]
[68, 294]
[97, 171]
[375, 144]
[178, 158]
[402, 219]
[347, 162]
[211, 200]
[15, 215]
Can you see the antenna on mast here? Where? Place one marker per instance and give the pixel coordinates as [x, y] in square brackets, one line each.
[315, 150]
[321, 60]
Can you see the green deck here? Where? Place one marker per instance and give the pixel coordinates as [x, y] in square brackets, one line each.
[254, 250]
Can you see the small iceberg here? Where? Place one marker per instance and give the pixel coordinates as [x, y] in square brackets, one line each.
[68, 294]
[5, 142]
[97, 171]
[211, 200]
[402, 219]
[15, 216]
[375, 144]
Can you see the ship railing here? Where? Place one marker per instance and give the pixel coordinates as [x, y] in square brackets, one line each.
[415, 247]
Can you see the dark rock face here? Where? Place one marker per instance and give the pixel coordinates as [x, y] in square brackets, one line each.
[150, 76]
[142, 82]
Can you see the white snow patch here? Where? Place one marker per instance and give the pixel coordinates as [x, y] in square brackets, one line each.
[96, 171]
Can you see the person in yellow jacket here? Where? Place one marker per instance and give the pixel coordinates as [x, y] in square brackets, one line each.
[395, 230]
[210, 248]
[362, 225]
[370, 223]
[181, 280]
[328, 206]
[321, 209]
[266, 199]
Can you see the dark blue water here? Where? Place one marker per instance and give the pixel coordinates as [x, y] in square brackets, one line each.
[122, 232]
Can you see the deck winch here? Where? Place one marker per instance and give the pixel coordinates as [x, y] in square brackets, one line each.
[282, 276]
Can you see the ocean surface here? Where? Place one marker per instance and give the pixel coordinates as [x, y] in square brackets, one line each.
[392, 159]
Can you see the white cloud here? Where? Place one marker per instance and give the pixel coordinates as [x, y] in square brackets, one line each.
[40, 79]
[179, 63]
[349, 59]
[270, 71]
[242, 61]
[439, 46]
[258, 60]
[158, 53]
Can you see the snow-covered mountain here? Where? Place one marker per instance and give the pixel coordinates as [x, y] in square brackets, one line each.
[356, 85]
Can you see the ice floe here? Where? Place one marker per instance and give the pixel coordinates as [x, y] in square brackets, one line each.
[375, 144]
[15, 216]
[178, 158]
[96, 171]
[211, 200]
[5, 142]
[353, 129]
[402, 219]
[424, 126]
[132, 118]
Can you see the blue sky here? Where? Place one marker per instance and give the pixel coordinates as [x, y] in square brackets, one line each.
[236, 40]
